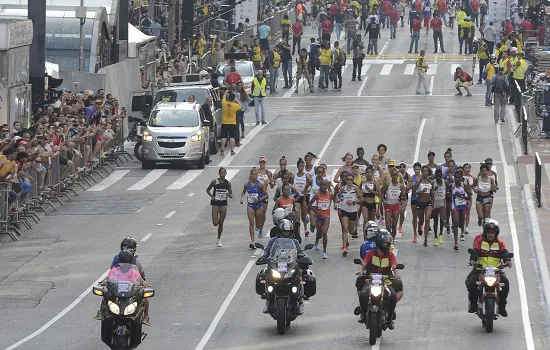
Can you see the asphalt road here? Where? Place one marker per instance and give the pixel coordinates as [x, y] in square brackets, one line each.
[205, 294]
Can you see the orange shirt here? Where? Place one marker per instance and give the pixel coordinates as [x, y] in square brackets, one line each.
[323, 204]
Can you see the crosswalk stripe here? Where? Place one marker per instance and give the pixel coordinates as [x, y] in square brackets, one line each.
[109, 181]
[231, 174]
[409, 69]
[386, 70]
[432, 69]
[365, 69]
[454, 66]
[184, 180]
[151, 177]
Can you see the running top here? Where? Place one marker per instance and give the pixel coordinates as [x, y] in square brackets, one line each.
[221, 190]
[414, 180]
[348, 194]
[393, 193]
[483, 186]
[440, 191]
[323, 204]
[459, 203]
[371, 186]
[300, 183]
[253, 191]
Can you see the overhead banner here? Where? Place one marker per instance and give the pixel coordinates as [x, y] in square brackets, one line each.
[247, 9]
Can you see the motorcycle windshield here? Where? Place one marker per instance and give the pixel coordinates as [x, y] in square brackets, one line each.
[122, 278]
[284, 251]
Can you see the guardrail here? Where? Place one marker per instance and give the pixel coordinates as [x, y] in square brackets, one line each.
[48, 182]
[538, 179]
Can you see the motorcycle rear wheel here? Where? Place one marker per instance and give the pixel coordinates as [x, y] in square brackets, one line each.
[489, 314]
[374, 327]
[281, 316]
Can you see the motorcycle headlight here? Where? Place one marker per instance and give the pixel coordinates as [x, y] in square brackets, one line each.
[289, 273]
[275, 274]
[490, 281]
[130, 309]
[375, 290]
[114, 308]
[196, 137]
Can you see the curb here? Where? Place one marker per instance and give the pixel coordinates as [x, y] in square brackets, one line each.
[538, 248]
[512, 127]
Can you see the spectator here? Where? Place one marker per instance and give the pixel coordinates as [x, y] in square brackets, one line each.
[233, 77]
[230, 107]
[155, 28]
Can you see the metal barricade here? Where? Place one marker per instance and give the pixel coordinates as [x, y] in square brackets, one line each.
[5, 221]
[538, 179]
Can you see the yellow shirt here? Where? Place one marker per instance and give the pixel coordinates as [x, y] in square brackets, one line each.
[256, 54]
[326, 54]
[8, 167]
[276, 59]
[505, 64]
[460, 15]
[467, 24]
[229, 112]
[490, 69]
[482, 52]
[356, 7]
[421, 63]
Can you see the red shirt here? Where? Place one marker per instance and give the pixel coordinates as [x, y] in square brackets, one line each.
[436, 24]
[233, 78]
[386, 6]
[475, 5]
[333, 9]
[394, 16]
[418, 6]
[375, 269]
[417, 24]
[442, 6]
[297, 29]
[508, 27]
[526, 25]
[327, 27]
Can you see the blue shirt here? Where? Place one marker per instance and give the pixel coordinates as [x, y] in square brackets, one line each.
[263, 31]
[367, 247]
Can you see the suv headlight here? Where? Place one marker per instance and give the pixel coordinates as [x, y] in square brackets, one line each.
[196, 137]
[147, 137]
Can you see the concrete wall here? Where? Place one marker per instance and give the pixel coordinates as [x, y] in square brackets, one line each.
[86, 81]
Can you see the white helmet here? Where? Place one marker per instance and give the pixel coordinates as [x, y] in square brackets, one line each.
[278, 215]
[286, 226]
[203, 74]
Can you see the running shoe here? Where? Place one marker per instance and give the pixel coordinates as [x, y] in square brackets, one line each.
[420, 231]
[425, 243]
[415, 239]
[316, 246]
[251, 245]
[456, 247]
[448, 229]
[436, 241]
[440, 239]
[219, 244]
[325, 256]
[344, 252]
[462, 238]
[260, 233]
[307, 233]
[466, 231]
[400, 230]
[307, 219]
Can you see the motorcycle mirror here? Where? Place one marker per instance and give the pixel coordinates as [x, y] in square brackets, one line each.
[471, 251]
[309, 246]
[148, 292]
[357, 261]
[259, 245]
[400, 267]
[99, 291]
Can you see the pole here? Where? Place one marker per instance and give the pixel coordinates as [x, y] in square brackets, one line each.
[81, 54]
[37, 54]
[171, 14]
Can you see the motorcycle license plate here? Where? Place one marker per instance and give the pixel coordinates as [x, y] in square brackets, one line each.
[123, 287]
[283, 266]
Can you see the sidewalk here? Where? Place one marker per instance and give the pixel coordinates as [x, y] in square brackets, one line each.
[538, 219]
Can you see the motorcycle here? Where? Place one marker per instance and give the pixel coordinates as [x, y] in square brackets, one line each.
[488, 287]
[135, 134]
[376, 313]
[282, 282]
[123, 312]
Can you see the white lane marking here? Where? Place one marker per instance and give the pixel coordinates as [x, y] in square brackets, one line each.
[540, 254]
[454, 66]
[339, 165]
[59, 315]
[231, 174]
[151, 177]
[383, 49]
[432, 85]
[362, 86]
[432, 69]
[517, 259]
[109, 181]
[386, 70]
[229, 158]
[258, 251]
[530, 170]
[512, 172]
[435, 58]
[191, 194]
[547, 170]
[184, 180]
[332, 176]
[170, 214]
[224, 306]
[418, 140]
[325, 147]
[409, 69]
[147, 236]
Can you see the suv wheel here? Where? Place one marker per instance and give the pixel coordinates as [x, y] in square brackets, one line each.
[201, 162]
[213, 149]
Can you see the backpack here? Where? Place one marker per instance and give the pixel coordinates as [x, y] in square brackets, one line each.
[500, 84]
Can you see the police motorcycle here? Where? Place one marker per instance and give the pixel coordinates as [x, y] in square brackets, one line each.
[121, 326]
[488, 288]
[280, 214]
[286, 281]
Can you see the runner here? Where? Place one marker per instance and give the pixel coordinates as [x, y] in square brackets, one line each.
[301, 180]
[441, 188]
[286, 201]
[371, 189]
[222, 190]
[431, 162]
[376, 167]
[312, 187]
[256, 194]
[384, 159]
[362, 162]
[469, 181]
[483, 185]
[461, 193]
[285, 182]
[310, 170]
[425, 192]
[351, 196]
[392, 192]
[357, 180]
[277, 174]
[348, 162]
[414, 199]
[266, 178]
[320, 205]
[451, 167]
[405, 195]
[448, 155]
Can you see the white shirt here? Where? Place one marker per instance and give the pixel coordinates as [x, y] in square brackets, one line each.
[370, 16]
[489, 33]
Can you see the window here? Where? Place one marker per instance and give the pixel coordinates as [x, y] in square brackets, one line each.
[174, 118]
[182, 95]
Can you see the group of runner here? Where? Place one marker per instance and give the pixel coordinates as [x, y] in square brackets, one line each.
[441, 196]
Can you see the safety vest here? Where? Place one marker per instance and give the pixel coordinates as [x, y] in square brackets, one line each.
[519, 72]
[259, 88]
[383, 265]
[421, 63]
[276, 59]
[504, 62]
[491, 254]
[325, 57]
[256, 54]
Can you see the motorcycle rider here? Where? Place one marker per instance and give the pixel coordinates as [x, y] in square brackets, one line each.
[278, 214]
[489, 250]
[286, 230]
[382, 261]
[371, 234]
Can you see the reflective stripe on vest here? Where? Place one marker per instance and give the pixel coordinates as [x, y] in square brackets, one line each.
[381, 264]
[519, 72]
[490, 251]
[259, 89]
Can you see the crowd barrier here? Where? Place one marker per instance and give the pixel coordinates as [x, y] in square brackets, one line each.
[54, 179]
[538, 179]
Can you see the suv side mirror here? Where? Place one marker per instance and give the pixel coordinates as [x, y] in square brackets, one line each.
[218, 104]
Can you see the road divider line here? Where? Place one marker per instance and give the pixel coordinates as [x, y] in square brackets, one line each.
[419, 140]
[109, 181]
[432, 85]
[147, 236]
[224, 306]
[383, 48]
[517, 259]
[325, 147]
[151, 177]
[191, 194]
[229, 158]
[184, 180]
[170, 214]
[362, 86]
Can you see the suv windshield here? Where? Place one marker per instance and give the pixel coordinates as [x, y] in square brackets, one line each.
[174, 118]
[182, 95]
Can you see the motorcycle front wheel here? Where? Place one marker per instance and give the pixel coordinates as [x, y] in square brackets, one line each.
[281, 316]
[120, 343]
[374, 327]
[137, 150]
[489, 314]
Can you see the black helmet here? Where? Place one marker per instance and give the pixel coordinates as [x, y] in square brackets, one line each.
[490, 224]
[129, 244]
[383, 241]
[125, 257]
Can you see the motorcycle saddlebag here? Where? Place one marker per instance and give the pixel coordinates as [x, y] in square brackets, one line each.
[310, 287]
[260, 287]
